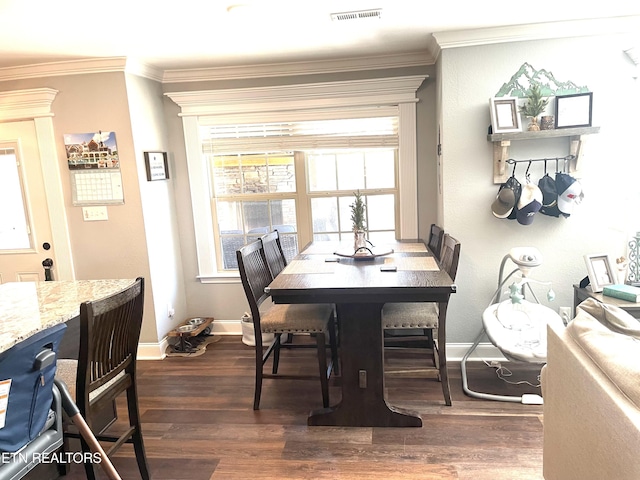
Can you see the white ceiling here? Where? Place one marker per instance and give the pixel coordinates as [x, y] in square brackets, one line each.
[205, 33]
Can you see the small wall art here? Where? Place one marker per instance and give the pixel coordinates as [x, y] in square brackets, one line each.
[574, 110]
[504, 115]
[156, 165]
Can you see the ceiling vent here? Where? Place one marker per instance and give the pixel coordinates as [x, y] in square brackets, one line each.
[358, 15]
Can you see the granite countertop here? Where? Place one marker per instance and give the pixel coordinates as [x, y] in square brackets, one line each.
[28, 307]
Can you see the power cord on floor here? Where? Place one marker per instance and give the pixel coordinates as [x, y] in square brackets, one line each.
[503, 372]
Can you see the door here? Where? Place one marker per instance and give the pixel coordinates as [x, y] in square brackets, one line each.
[25, 228]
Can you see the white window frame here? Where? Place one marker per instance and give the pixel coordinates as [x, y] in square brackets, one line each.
[245, 103]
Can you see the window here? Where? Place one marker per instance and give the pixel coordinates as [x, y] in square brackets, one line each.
[14, 227]
[350, 125]
[332, 177]
[254, 193]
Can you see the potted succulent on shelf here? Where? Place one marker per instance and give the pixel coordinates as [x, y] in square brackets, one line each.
[358, 221]
[534, 106]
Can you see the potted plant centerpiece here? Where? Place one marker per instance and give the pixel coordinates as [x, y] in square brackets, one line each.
[534, 106]
[358, 222]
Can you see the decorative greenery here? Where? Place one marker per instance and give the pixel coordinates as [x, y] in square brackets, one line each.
[357, 212]
[535, 104]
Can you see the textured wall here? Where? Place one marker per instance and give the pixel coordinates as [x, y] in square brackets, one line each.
[601, 224]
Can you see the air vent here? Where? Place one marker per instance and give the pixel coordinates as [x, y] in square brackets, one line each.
[359, 15]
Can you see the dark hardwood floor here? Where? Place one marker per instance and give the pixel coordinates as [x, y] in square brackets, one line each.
[198, 424]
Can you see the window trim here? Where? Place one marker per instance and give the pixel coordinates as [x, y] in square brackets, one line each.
[392, 91]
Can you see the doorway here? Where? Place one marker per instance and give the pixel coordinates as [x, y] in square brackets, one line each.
[25, 227]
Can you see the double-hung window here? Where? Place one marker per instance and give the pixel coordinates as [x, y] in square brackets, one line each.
[290, 158]
[299, 177]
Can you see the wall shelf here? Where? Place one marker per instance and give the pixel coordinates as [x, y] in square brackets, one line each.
[502, 142]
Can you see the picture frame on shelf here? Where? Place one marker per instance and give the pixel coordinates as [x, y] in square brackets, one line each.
[504, 115]
[600, 271]
[574, 110]
[156, 165]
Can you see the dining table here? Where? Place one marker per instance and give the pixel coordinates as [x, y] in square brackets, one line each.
[359, 286]
[29, 307]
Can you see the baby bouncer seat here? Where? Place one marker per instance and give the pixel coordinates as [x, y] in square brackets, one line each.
[517, 326]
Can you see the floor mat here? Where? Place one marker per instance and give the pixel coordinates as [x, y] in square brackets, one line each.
[194, 346]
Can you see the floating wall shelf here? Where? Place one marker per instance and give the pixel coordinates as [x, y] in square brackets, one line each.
[502, 142]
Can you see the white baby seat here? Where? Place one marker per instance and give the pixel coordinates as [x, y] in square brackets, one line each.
[516, 326]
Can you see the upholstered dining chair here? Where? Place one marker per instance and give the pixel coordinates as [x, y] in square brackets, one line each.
[106, 368]
[315, 320]
[276, 261]
[422, 317]
[436, 236]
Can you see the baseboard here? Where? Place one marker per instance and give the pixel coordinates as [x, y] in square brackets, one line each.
[227, 327]
[484, 351]
[455, 351]
[153, 351]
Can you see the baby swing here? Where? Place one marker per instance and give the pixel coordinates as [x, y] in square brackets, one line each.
[516, 326]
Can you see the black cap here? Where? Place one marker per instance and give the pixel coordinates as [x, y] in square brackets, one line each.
[549, 196]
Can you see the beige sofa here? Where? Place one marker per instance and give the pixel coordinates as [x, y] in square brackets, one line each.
[591, 390]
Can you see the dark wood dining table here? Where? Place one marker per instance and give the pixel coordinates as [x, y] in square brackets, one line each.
[359, 288]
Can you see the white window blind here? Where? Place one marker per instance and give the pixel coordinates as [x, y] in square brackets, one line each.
[321, 134]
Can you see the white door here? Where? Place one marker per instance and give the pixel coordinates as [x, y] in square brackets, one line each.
[25, 229]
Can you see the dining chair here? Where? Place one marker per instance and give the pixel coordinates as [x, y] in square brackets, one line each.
[276, 261]
[422, 317]
[315, 320]
[436, 235]
[106, 368]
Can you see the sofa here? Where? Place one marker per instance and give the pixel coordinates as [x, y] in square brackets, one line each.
[591, 391]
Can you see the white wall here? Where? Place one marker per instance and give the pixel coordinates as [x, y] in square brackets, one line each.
[610, 174]
[165, 283]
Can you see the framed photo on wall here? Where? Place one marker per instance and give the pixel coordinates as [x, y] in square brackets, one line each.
[504, 115]
[600, 271]
[156, 165]
[574, 110]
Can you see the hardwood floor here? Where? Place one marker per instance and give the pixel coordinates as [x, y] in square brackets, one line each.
[198, 424]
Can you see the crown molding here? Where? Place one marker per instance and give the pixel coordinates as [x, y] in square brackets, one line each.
[132, 66]
[351, 93]
[411, 59]
[537, 31]
[80, 67]
[26, 104]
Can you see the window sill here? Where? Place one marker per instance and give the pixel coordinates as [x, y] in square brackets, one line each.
[220, 278]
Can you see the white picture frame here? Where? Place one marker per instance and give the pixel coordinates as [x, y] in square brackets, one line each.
[600, 270]
[504, 115]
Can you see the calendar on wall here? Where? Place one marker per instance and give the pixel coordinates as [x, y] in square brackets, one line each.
[94, 167]
[97, 188]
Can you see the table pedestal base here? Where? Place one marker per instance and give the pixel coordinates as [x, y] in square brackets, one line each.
[362, 354]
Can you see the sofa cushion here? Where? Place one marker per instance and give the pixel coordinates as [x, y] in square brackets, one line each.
[597, 330]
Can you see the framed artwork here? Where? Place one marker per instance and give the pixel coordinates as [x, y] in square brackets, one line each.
[156, 165]
[574, 110]
[600, 271]
[504, 115]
